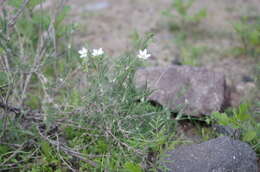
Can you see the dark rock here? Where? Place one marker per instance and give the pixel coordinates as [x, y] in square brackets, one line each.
[177, 62]
[246, 78]
[191, 90]
[222, 154]
[227, 131]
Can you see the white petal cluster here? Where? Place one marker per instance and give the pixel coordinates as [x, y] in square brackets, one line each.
[83, 52]
[143, 54]
[97, 52]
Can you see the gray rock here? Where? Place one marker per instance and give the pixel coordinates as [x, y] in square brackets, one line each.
[191, 90]
[222, 154]
[227, 131]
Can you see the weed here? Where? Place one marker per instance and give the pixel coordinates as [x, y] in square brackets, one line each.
[189, 54]
[249, 35]
[241, 120]
[183, 19]
[56, 123]
[180, 24]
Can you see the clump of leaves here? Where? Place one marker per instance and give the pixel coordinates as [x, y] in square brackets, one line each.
[241, 119]
[184, 19]
[181, 20]
[249, 35]
[113, 115]
[98, 124]
[31, 47]
[188, 54]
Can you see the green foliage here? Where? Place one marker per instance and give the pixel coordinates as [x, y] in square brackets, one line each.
[139, 42]
[19, 3]
[183, 19]
[113, 110]
[181, 25]
[241, 119]
[189, 54]
[132, 167]
[76, 112]
[101, 120]
[4, 83]
[3, 79]
[47, 151]
[249, 35]
[207, 133]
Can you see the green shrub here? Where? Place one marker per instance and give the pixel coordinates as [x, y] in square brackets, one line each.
[241, 120]
[249, 35]
[64, 112]
[181, 24]
[184, 19]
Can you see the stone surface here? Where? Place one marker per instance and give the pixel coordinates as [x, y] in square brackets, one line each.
[222, 154]
[239, 78]
[191, 90]
[227, 131]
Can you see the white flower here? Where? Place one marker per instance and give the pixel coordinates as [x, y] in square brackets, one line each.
[97, 52]
[56, 106]
[143, 54]
[83, 52]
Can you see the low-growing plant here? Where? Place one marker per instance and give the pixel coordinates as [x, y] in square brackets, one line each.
[188, 54]
[249, 35]
[68, 111]
[183, 20]
[180, 23]
[243, 122]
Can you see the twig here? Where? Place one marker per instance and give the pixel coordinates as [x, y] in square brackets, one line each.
[12, 22]
[40, 51]
[35, 116]
[16, 164]
[124, 144]
[67, 150]
[66, 163]
[13, 154]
